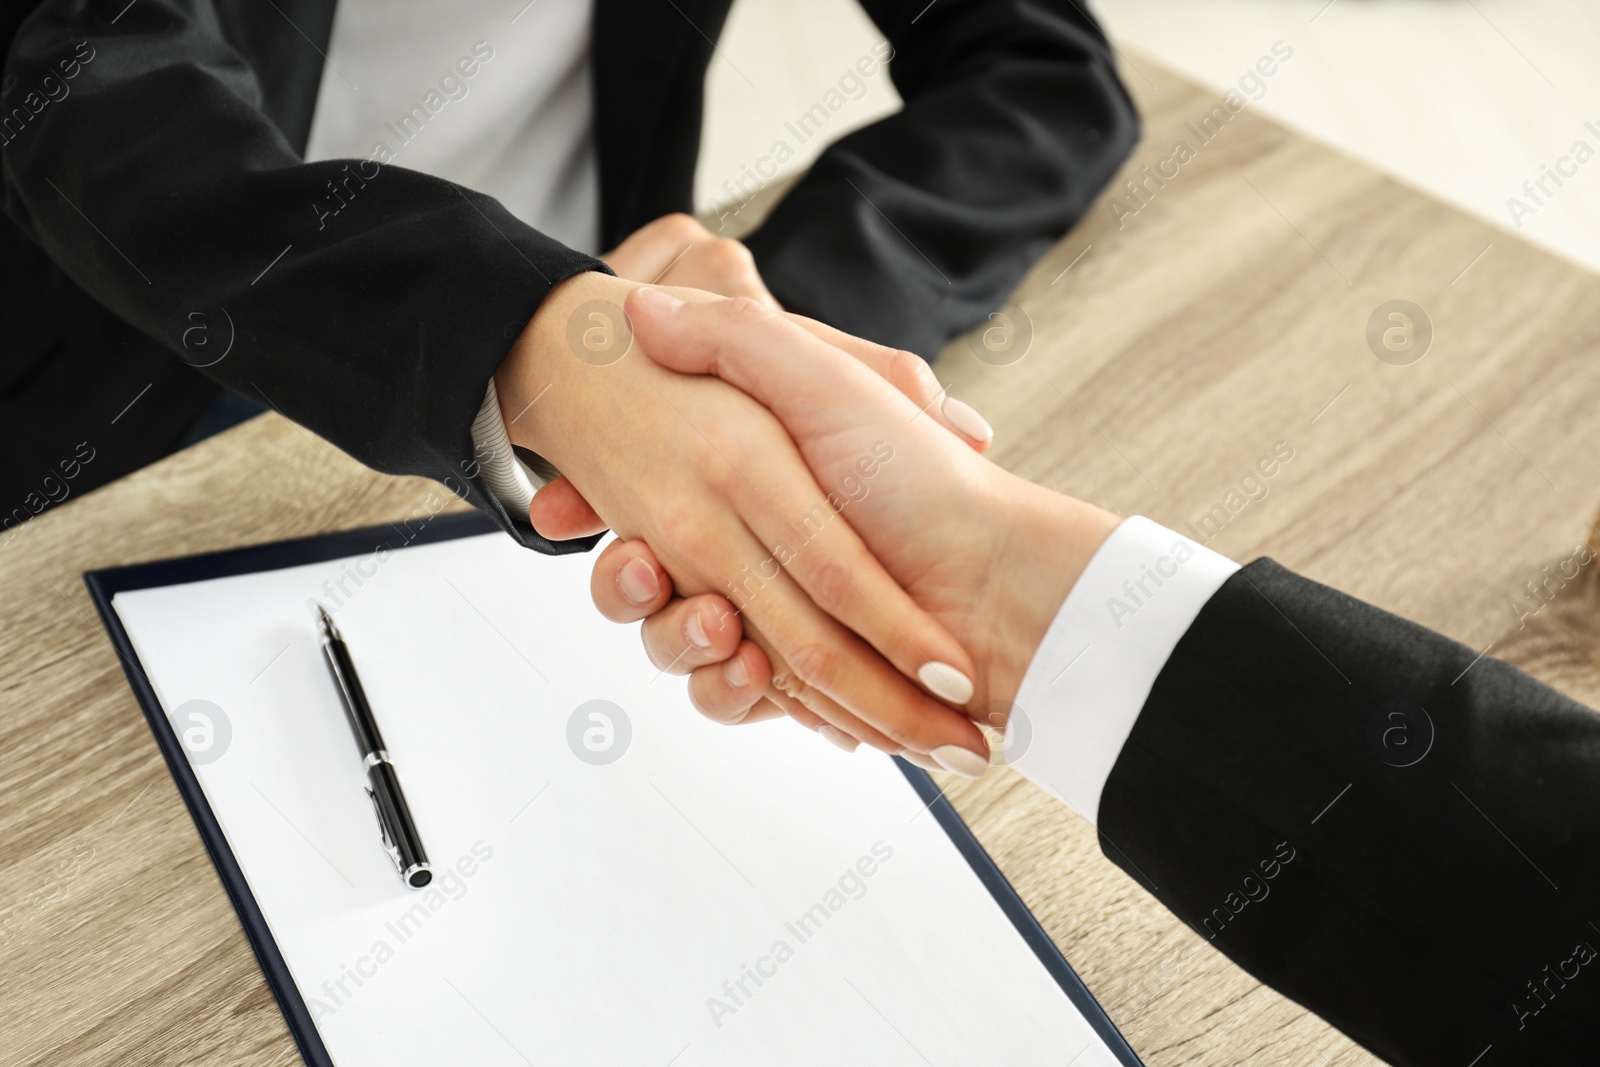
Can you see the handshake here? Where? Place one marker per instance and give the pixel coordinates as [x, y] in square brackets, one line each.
[806, 524]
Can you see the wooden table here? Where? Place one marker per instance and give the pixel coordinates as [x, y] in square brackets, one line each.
[1171, 347]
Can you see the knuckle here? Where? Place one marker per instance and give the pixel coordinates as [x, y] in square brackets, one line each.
[707, 456]
[683, 527]
[716, 482]
[719, 426]
[828, 583]
[722, 477]
[729, 255]
[696, 542]
[786, 682]
[816, 665]
[747, 310]
[682, 227]
[718, 459]
[911, 373]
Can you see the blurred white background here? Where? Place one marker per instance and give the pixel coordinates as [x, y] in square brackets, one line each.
[1465, 99]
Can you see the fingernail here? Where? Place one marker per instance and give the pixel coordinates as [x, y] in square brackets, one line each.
[917, 759]
[944, 681]
[965, 417]
[638, 582]
[838, 737]
[958, 760]
[735, 673]
[696, 632]
[658, 302]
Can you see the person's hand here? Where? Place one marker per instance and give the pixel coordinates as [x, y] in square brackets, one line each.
[677, 250]
[988, 554]
[561, 513]
[714, 485]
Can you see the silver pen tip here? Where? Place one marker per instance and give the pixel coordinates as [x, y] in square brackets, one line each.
[324, 620]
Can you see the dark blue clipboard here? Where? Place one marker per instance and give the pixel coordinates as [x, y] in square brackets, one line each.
[105, 584]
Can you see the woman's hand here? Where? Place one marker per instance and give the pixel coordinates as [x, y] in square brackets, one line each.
[989, 555]
[714, 485]
[676, 250]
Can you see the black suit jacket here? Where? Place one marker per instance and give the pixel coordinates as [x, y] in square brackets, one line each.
[1398, 834]
[158, 206]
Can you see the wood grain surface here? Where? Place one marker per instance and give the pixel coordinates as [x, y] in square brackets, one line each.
[1156, 355]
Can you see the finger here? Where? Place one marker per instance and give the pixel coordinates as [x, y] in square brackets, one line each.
[559, 512]
[627, 583]
[765, 709]
[788, 705]
[722, 692]
[797, 711]
[741, 341]
[651, 249]
[906, 371]
[840, 575]
[783, 704]
[691, 633]
[833, 673]
[909, 373]
[835, 723]
[825, 666]
[813, 387]
[734, 691]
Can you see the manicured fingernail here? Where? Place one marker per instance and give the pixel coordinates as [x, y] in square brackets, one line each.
[695, 630]
[945, 682]
[658, 302]
[638, 582]
[917, 759]
[958, 760]
[838, 737]
[965, 417]
[735, 673]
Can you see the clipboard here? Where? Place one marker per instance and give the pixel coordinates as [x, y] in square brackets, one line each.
[105, 585]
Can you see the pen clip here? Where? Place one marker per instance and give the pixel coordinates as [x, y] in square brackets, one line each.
[384, 834]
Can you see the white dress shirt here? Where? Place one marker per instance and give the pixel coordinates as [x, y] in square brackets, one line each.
[1099, 659]
[490, 94]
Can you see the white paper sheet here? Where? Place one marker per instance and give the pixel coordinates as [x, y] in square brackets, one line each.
[713, 895]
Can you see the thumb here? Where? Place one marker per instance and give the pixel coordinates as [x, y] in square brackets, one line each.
[809, 384]
[559, 512]
[909, 373]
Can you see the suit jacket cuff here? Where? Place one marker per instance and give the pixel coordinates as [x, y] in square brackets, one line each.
[1100, 658]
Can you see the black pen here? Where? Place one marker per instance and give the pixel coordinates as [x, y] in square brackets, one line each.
[400, 837]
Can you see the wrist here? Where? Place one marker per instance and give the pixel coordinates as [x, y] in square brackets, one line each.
[578, 328]
[1047, 541]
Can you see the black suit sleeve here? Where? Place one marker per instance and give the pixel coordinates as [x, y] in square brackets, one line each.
[157, 183]
[911, 230]
[1398, 834]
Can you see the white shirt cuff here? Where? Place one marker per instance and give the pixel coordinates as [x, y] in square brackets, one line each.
[1100, 658]
[512, 481]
